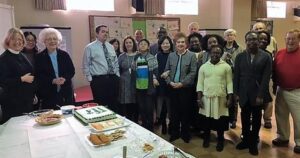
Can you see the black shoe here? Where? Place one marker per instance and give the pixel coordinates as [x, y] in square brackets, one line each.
[220, 146]
[242, 145]
[297, 149]
[186, 138]
[280, 143]
[233, 125]
[253, 150]
[268, 125]
[173, 138]
[205, 143]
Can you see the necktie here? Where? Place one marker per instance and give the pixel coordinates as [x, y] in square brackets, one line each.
[108, 59]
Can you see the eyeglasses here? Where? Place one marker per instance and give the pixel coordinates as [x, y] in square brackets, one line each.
[30, 40]
[51, 39]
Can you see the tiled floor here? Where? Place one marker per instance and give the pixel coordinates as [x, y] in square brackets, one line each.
[266, 150]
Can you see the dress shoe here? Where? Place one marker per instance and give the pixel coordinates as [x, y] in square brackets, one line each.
[205, 143]
[297, 149]
[268, 125]
[173, 138]
[186, 138]
[233, 125]
[242, 145]
[253, 150]
[280, 143]
[220, 146]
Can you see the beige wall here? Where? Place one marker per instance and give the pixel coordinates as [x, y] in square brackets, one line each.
[212, 14]
[242, 20]
[281, 26]
[4, 1]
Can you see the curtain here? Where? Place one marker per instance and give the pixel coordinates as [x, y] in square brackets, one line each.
[153, 7]
[50, 4]
[258, 9]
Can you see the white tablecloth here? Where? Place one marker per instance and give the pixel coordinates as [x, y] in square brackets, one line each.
[22, 137]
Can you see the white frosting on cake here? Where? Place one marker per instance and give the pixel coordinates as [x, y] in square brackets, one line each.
[94, 114]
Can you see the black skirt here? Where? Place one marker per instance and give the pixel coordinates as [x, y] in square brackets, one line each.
[209, 123]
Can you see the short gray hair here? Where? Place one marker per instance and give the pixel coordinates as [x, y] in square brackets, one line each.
[228, 31]
[45, 32]
[193, 24]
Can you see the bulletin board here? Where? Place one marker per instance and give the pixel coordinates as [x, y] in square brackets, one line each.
[122, 26]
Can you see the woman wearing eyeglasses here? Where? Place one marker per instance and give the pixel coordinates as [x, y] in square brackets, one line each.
[54, 71]
[16, 77]
[30, 50]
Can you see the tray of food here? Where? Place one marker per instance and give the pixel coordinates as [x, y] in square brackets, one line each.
[48, 118]
[109, 125]
[97, 140]
[102, 139]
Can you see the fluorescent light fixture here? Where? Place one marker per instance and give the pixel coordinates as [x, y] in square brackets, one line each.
[98, 5]
[184, 7]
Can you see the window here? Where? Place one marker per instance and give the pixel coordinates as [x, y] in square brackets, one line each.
[185, 7]
[99, 5]
[276, 9]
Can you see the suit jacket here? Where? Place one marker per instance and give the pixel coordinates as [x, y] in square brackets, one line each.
[252, 79]
[45, 74]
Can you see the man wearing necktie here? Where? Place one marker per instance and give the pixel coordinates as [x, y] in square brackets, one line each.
[100, 67]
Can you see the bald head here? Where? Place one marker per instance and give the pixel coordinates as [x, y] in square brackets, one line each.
[193, 27]
[259, 26]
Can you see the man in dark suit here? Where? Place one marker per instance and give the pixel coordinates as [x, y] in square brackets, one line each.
[252, 73]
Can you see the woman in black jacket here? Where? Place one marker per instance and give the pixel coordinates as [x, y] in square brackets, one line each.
[16, 77]
[54, 71]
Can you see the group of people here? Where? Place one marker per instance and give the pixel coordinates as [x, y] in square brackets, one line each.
[33, 79]
[195, 81]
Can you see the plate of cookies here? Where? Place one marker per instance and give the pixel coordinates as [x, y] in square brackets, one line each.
[98, 139]
[101, 139]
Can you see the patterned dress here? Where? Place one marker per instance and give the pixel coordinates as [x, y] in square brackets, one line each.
[127, 87]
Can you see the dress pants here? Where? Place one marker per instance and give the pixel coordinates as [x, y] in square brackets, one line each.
[105, 90]
[250, 129]
[180, 111]
[146, 108]
[288, 102]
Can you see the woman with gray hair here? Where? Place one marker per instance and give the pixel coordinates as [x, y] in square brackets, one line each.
[231, 50]
[54, 71]
[16, 77]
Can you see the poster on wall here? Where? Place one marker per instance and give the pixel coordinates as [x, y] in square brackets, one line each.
[66, 43]
[152, 27]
